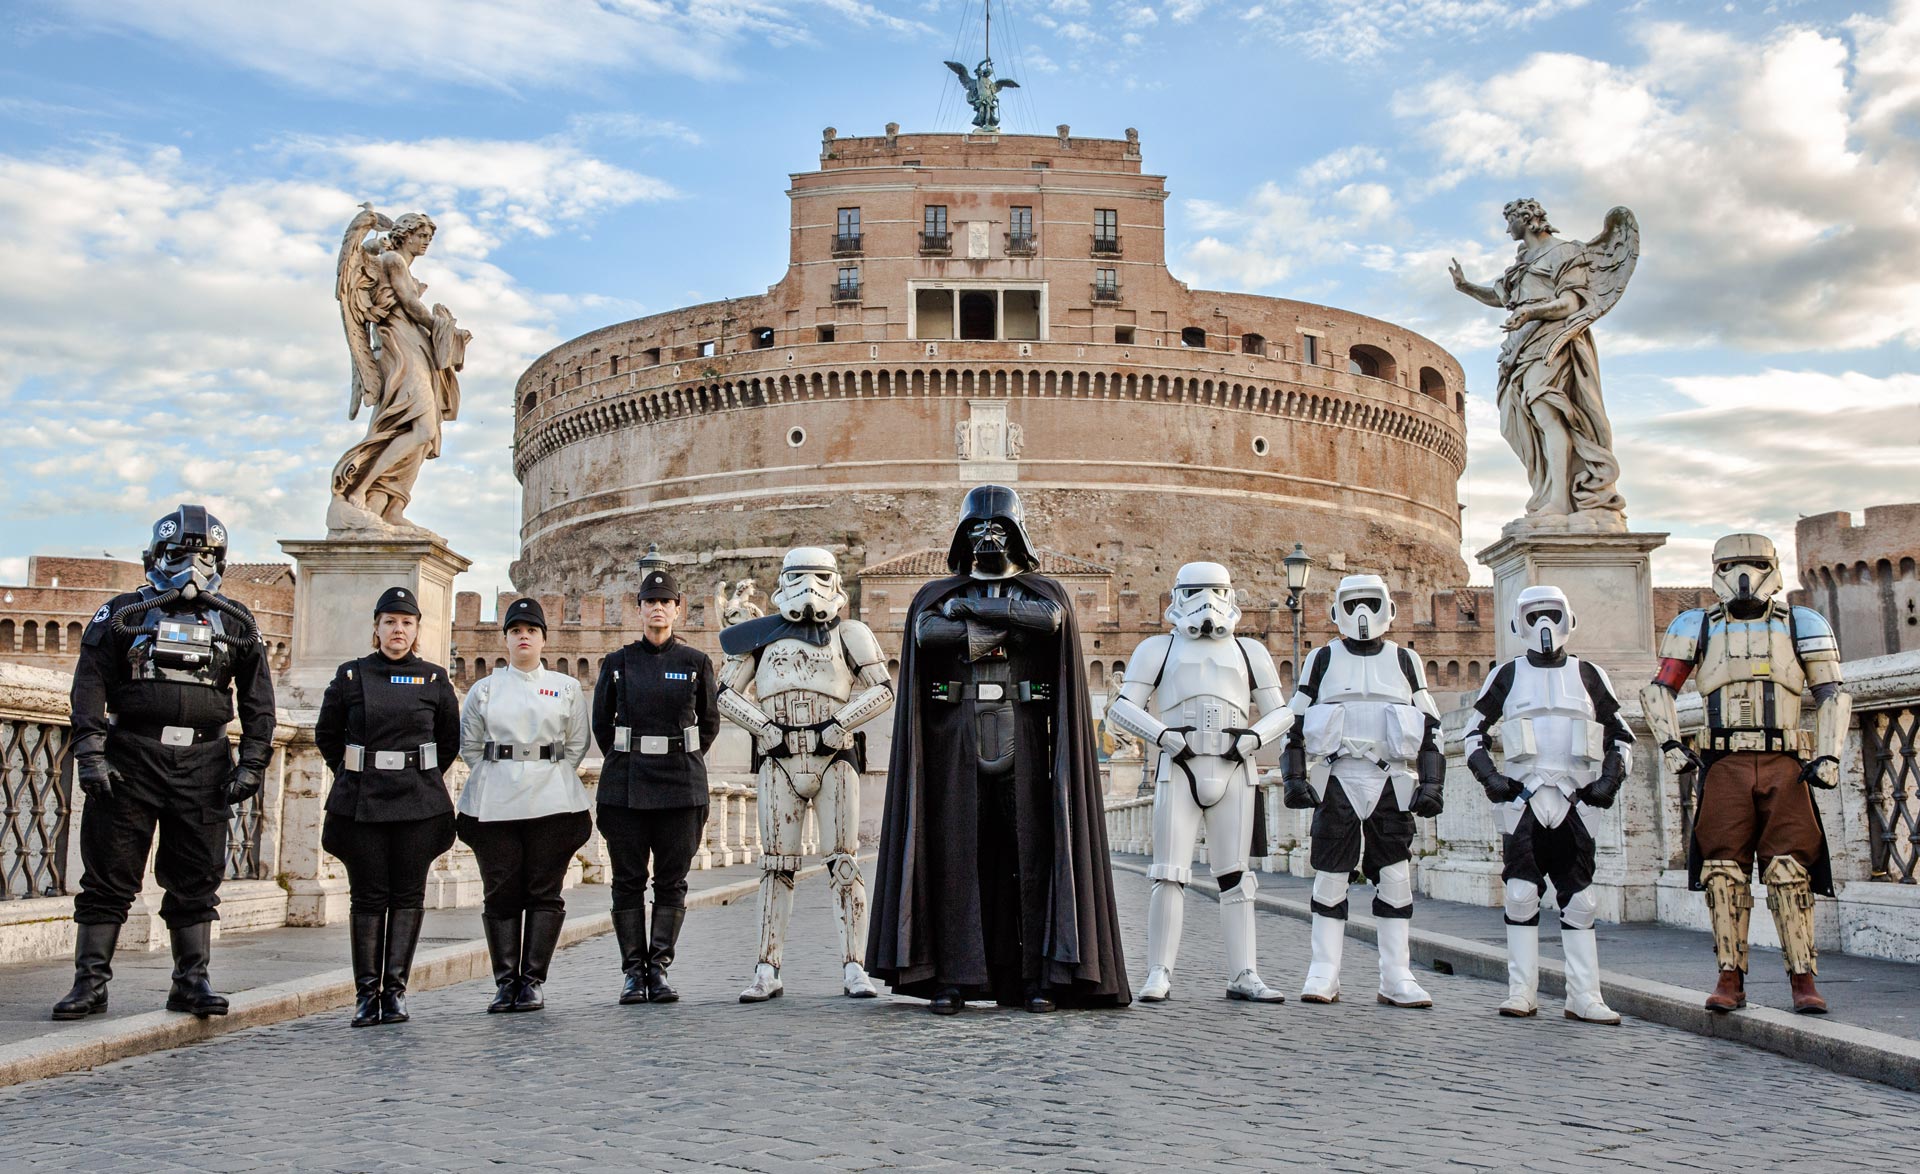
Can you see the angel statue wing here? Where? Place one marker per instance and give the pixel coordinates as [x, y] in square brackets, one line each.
[1005, 84]
[354, 284]
[1611, 257]
[966, 79]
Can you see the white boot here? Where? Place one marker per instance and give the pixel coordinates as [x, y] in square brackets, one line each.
[856, 984]
[1323, 975]
[1582, 953]
[1237, 927]
[1396, 974]
[1166, 913]
[766, 984]
[1523, 972]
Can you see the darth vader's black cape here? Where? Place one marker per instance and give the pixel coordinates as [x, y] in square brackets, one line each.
[925, 913]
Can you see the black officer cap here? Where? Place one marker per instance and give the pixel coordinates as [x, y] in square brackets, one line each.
[995, 503]
[397, 601]
[523, 611]
[658, 585]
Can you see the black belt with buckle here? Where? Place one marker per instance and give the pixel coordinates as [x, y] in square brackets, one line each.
[954, 692]
[508, 752]
[173, 735]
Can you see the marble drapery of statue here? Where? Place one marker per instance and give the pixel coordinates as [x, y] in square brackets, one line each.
[405, 359]
[1551, 410]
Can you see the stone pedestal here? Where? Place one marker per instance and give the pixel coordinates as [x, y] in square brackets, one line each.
[1607, 579]
[337, 582]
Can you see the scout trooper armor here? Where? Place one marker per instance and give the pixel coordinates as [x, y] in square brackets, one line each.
[801, 681]
[1204, 682]
[1364, 754]
[1755, 657]
[1566, 754]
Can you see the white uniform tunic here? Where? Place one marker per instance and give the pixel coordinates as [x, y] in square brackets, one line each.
[535, 708]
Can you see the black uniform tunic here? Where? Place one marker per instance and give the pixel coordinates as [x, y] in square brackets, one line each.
[180, 790]
[654, 806]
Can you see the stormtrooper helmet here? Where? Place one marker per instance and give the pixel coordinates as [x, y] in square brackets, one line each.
[1362, 607]
[1745, 569]
[1203, 602]
[1543, 618]
[809, 587]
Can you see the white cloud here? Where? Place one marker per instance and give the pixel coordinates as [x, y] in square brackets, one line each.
[1774, 188]
[179, 338]
[375, 48]
[1263, 240]
[1361, 30]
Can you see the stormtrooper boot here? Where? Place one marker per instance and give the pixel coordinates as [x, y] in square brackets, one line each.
[1166, 913]
[1323, 975]
[1237, 926]
[766, 984]
[776, 906]
[1583, 978]
[1523, 972]
[1396, 974]
[851, 910]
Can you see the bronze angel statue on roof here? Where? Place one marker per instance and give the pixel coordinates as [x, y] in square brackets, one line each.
[1551, 410]
[406, 356]
[983, 92]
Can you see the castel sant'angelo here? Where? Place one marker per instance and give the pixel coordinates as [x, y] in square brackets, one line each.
[964, 308]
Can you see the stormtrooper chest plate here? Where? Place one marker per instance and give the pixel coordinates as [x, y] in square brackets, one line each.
[800, 683]
[1204, 685]
[1366, 688]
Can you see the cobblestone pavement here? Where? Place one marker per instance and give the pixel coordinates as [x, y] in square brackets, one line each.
[817, 1081]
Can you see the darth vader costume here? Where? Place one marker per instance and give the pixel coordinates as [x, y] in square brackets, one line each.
[993, 880]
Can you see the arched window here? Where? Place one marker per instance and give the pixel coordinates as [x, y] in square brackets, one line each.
[1195, 337]
[1253, 344]
[1097, 675]
[1433, 383]
[73, 637]
[30, 637]
[527, 402]
[1372, 362]
[6, 635]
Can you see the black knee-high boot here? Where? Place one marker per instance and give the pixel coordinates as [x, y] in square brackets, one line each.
[503, 946]
[92, 969]
[192, 952]
[630, 930]
[367, 934]
[403, 934]
[667, 920]
[543, 938]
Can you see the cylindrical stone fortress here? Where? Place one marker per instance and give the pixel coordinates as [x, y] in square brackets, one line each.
[968, 308]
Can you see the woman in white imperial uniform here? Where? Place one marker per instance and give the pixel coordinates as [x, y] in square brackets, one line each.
[524, 813]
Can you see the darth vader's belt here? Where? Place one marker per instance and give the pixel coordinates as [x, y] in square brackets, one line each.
[954, 692]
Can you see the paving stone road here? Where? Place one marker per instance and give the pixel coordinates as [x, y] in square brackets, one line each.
[816, 1081]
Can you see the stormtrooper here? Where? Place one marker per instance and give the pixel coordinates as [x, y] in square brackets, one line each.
[1204, 682]
[801, 681]
[1756, 657]
[1566, 753]
[1365, 756]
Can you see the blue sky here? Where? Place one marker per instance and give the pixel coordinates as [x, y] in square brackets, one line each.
[174, 179]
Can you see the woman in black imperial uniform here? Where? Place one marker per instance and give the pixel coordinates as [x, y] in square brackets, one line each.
[654, 716]
[389, 727]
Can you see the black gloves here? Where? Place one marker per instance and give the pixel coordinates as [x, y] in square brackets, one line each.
[244, 783]
[1429, 799]
[1299, 793]
[1502, 788]
[95, 777]
[1810, 773]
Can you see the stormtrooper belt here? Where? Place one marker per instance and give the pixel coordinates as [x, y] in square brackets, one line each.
[427, 757]
[173, 735]
[509, 752]
[954, 692]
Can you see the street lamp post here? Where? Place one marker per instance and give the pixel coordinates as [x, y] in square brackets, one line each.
[1298, 566]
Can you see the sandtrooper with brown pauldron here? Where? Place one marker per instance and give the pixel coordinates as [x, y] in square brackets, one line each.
[1755, 657]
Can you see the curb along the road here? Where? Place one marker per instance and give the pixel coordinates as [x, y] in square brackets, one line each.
[1838, 1047]
[87, 1045]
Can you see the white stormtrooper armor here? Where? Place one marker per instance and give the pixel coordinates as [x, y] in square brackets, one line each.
[1204, 682]
[800, 682]
[1367, 724]
[1566, 753]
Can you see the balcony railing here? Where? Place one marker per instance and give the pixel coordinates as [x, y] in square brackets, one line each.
[1106, 293]
[845, 243]
[1021, 244]
[1106, 246]
[846, 291]
[936, 243]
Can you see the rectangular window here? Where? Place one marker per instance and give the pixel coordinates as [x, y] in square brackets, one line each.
[1106, 230]
[1106, 285]
[847, 287]
[705, 350]
[1123, 335]
[652, 354]
[933, 230]
[1310, 350]
[846, 232]
[936, 220]
[825, 333]
[1020, 231]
